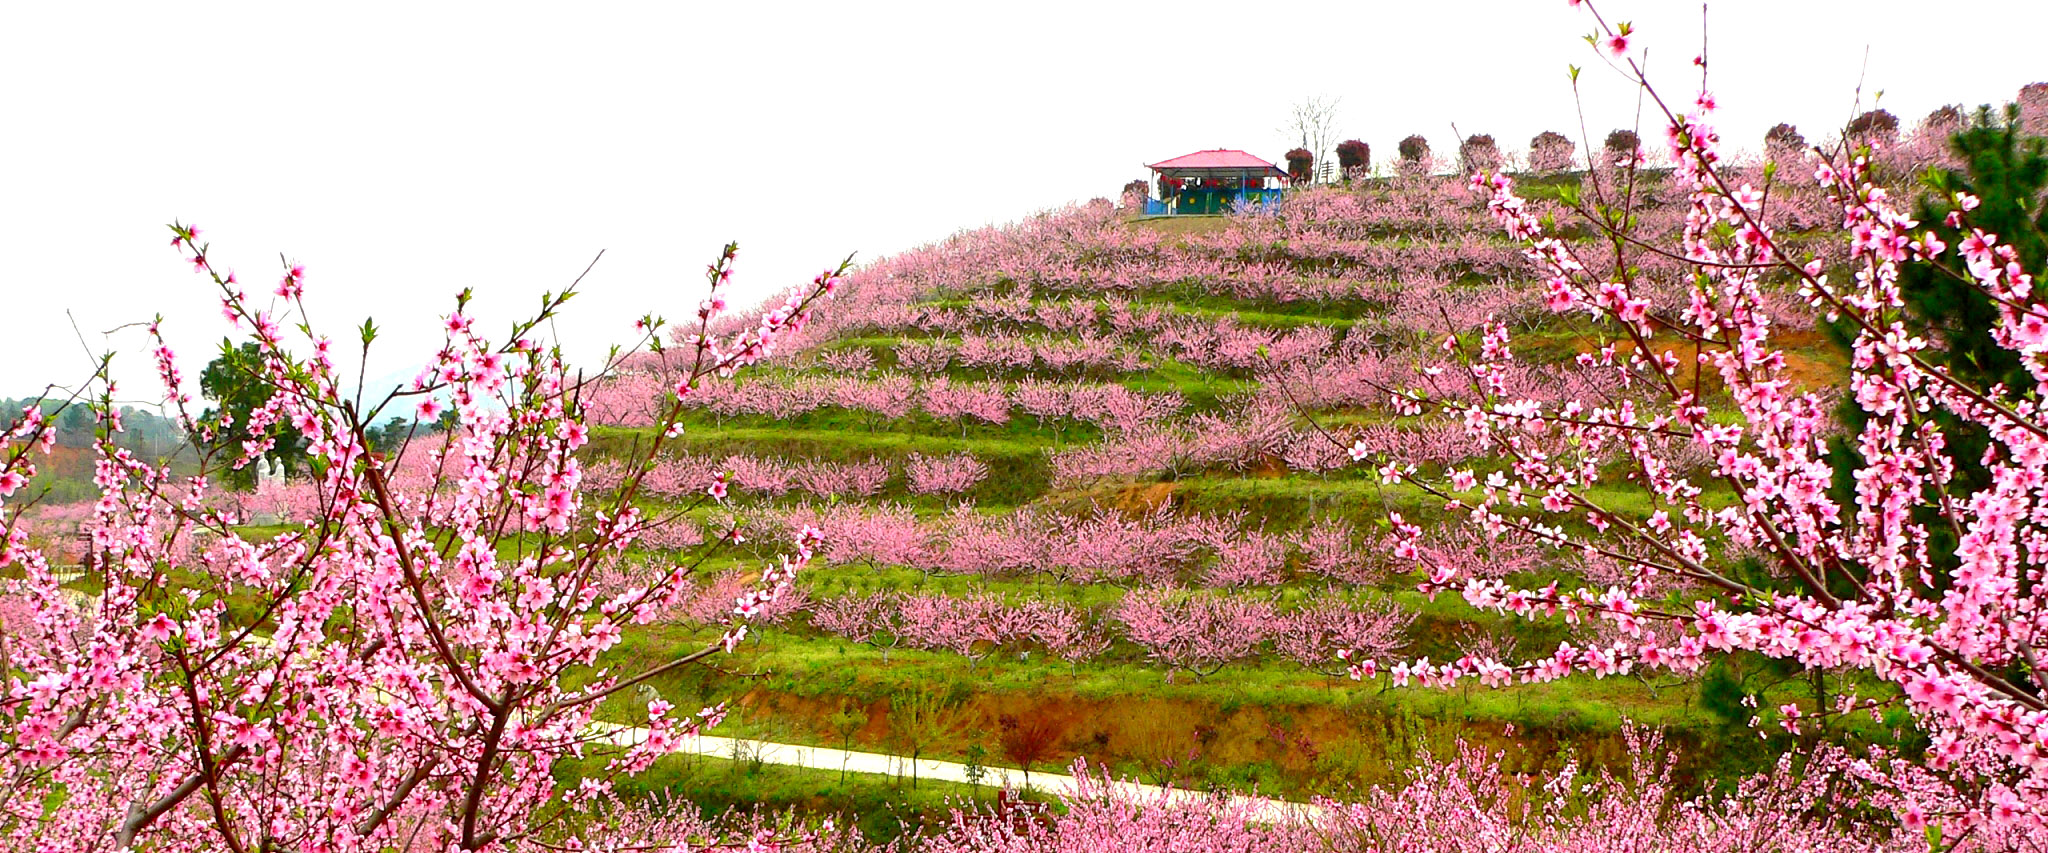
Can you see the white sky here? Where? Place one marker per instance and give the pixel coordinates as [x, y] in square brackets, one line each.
[402, 151]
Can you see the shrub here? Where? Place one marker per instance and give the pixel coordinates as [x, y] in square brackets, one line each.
[1783, 137]
[2033, 104]
[1872, 126]
[1414, 147]
[1300, 164]
[1028, 740]
[1945, 119]
[1414, 155]
[1623, 142]
[1478, 153]
[1354, 156]
[1550, 151]
[1136, 193]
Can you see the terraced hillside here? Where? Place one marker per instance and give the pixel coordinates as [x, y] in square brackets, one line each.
[1088, 488]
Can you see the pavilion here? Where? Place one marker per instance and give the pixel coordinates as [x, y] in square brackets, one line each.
[1213, 181]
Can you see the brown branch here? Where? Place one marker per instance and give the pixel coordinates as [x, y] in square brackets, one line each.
[404, 789]
[140, 817]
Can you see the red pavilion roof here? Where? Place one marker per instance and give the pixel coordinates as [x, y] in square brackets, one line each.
[1221, 159]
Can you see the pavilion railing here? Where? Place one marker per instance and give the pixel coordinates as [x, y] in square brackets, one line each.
[1206, 201]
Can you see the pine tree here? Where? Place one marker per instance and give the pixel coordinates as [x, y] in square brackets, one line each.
[2007, 171]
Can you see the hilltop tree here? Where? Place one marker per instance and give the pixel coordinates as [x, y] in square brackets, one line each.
[142, 430]
[2033, 104]
[1300, 165]
[1622, 146]
[1944, 120]
[1784, 134]
[1784, 144]
[1354, 157]
[1550, 151]
[1414, 152]
[1872, 127]
[1478, 153]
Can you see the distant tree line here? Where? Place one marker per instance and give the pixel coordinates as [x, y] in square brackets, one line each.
[230, 386]
[142, 431]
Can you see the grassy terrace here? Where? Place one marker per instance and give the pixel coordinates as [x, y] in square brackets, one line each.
[884, 808]
[1190, 301]
[1266, 725]
[1118, 713]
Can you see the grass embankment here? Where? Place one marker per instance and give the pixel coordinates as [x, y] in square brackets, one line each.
[1265, 724]
[882, 807]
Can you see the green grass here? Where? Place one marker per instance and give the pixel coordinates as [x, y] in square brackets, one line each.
[882, 808]
[1018, 471]
[819, 671]
[1201, 389]
[1195, 300]
[842, 444]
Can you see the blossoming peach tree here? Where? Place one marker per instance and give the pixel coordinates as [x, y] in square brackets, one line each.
[1764, 556]
[406, 663]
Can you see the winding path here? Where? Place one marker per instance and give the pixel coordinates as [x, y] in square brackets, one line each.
[829, 759]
